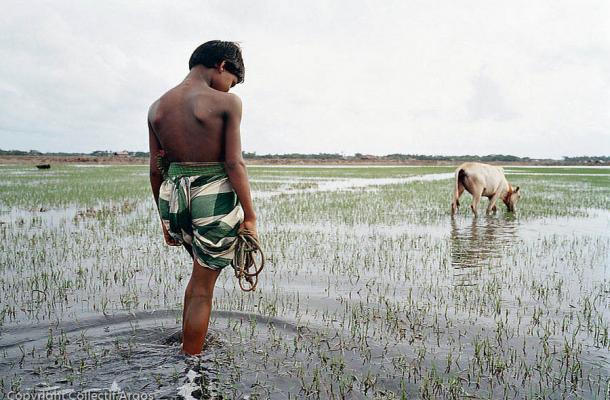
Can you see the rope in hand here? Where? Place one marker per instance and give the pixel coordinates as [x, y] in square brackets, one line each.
[245, 261]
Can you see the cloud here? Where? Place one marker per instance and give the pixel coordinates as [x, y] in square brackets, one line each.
[359, 76]
[487, 101]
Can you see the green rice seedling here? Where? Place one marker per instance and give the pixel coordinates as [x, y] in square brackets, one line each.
[371, 288]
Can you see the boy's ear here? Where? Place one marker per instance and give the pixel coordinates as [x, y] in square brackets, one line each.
[221, 66]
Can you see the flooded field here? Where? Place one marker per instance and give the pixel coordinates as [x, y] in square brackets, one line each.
[371, 288]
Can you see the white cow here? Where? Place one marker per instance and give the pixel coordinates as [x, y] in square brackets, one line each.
[483, 180]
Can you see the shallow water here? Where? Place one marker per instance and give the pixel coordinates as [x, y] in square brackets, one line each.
[428, 306]
[328, 185]
[553, 174]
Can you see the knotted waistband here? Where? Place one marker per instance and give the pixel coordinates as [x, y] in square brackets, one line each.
[179, 169]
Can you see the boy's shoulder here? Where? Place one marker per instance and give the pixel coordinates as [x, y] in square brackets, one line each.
[152, 110]
[226, 97]
[228, 102]
[233, 101]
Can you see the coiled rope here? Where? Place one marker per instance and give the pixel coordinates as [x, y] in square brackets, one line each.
[246, 263]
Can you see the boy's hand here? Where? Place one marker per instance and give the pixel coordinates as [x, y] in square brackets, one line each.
[250, 225]
[170, 241]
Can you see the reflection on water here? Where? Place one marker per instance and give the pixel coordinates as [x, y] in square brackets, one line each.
[479, 244]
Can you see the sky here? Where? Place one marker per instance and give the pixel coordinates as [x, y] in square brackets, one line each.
[528, 78]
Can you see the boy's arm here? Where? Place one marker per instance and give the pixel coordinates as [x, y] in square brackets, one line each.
[236, 167]
[156, 178]
[155, 175]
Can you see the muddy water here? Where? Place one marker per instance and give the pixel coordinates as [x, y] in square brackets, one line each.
[344, 311]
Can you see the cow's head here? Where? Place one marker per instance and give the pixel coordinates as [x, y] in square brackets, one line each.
[511, 198]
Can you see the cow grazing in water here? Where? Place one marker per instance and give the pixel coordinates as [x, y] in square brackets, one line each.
[484, 180]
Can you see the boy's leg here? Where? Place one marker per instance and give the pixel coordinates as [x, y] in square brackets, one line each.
[197, 308]
[188, 248]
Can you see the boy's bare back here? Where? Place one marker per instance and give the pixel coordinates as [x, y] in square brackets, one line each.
[190, 121]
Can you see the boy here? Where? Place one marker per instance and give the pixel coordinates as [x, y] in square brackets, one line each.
[204, 197]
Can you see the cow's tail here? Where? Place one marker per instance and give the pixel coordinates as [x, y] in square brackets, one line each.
[460, 174]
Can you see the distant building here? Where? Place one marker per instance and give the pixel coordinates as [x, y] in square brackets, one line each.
[123, 153]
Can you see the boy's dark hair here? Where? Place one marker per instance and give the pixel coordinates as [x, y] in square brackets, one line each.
[212, 53]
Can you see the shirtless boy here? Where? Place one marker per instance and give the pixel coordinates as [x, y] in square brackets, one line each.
[204, 198]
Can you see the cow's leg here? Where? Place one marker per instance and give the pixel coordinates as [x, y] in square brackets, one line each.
[456, 197]
[492, 203]
[476, 197]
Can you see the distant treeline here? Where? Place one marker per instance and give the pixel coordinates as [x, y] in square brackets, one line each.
[391, 157]
[421, 157]
[329, 156]
[97, 153]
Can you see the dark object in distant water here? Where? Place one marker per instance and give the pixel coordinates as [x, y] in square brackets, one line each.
[43, 166]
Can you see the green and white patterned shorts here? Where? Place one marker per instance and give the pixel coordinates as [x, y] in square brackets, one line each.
[199, 207]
